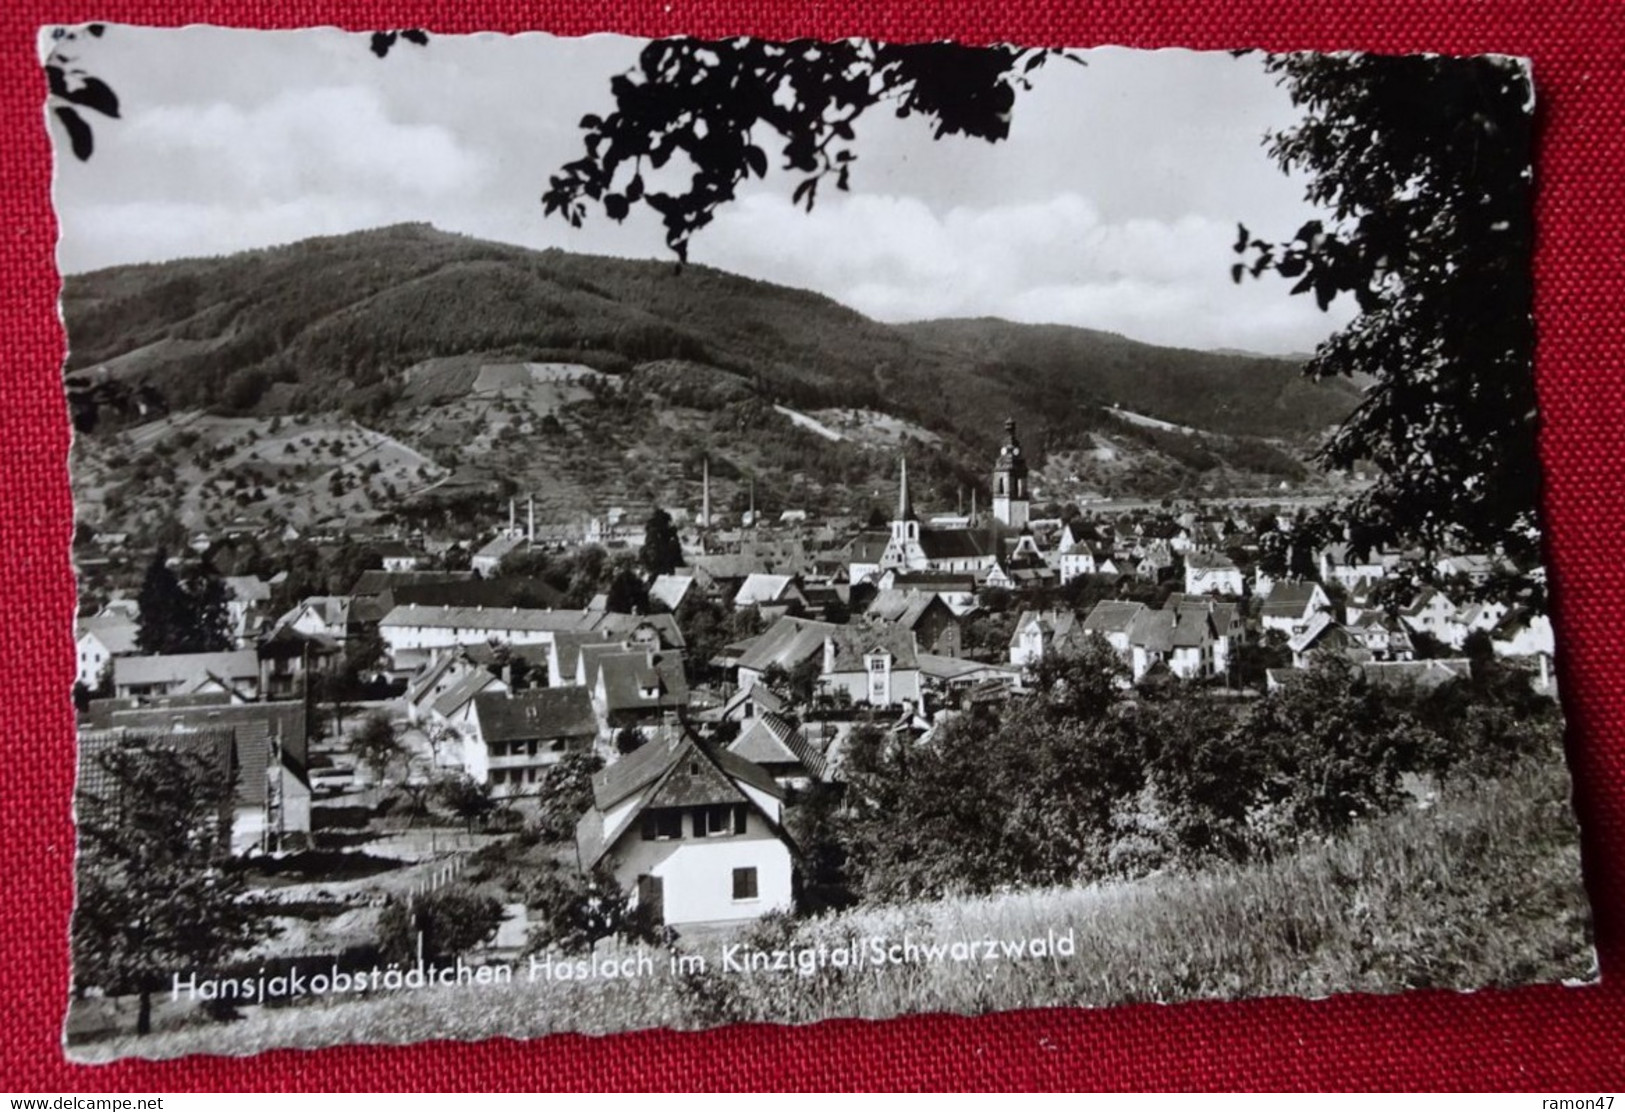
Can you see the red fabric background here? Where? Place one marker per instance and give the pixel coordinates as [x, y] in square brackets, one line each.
[1546, 1039]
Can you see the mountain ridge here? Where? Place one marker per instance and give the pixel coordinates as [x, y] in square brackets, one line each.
[685, 363]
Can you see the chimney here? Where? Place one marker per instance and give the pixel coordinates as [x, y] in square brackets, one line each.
[530, 523]
[829, 654]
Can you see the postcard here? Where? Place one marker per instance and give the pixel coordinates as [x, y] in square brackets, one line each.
[588, 535]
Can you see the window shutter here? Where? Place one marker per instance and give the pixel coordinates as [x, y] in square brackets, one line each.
[699, 822]
[739, 818]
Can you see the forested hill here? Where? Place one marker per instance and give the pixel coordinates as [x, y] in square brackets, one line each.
[334, 323]
[1227, 392]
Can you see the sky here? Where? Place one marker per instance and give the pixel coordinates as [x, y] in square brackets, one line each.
[1113, 204]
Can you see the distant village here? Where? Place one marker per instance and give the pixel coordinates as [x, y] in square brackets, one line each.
[722, 689]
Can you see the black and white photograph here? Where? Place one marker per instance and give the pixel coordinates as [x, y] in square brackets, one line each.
[598, 534]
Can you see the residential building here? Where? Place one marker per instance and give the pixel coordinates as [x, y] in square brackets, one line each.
[1290, 604]
[1211, 573]
[691, 832]
[235, 674]
[98, 640]
[512, 739]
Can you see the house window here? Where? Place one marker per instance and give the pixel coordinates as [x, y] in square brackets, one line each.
[745, 884]
[717, 822]
[662, 826]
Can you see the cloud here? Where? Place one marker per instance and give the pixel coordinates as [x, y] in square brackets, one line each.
[895, 258]
[208, 179]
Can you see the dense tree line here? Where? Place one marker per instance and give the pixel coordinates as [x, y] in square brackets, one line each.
[1087, 780]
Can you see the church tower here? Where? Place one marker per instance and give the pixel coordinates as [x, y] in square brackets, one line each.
[903, 549]
[1010, 481]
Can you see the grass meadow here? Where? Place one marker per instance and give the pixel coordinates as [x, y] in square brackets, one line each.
[1481, 888]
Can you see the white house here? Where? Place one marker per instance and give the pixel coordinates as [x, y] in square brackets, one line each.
[234, 674]
[440, 627]
[513, 739]
[1340, 564]
[1291, 604]
[691, 832]
[1522, 633]
[99, 639]
[1431, 612]
[1040, 633]
[319, 616]
[1211, 573]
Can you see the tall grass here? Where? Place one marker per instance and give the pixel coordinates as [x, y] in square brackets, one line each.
[1482, 889]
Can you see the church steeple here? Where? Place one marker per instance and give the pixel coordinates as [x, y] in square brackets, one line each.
[1010, 480]
[903, 549]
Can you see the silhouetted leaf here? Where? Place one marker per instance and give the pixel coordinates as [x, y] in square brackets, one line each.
[78, 132]
[94, 94]
[615, 206]
[96, 29]
[416, 35]
[382, 41]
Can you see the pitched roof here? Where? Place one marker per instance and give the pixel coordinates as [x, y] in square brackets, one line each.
[679, 771]
[671, 589]
[333, 610]
[765, 741]
[853, 643]
[951, 669]
[1193, 628]
[493, 618]
[458, 695]
[254, 727]
[1426, 674]
[116, 632]
[1153, 630]
[377, 580]
[1112, 617]
[1290, 599]
[1209, 561]
[1226, 615]
[1319, 625]
[773, 740]
[643, 680]
[546, 714]
[217, 746]
[248, 588]
[865, 548]
[186, 670]
[787, 642]
[759, 587]
[725, 566]
[526, 592]
[957, 544]
[663, 627]
[499, 546]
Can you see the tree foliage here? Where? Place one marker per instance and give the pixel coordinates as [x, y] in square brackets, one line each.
[662, 551]
[156, 890]
[579, 911]
[466, 798]
[451, 920]
[1424, 163]
[377, 744]
[709, 104]
[178, 617]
